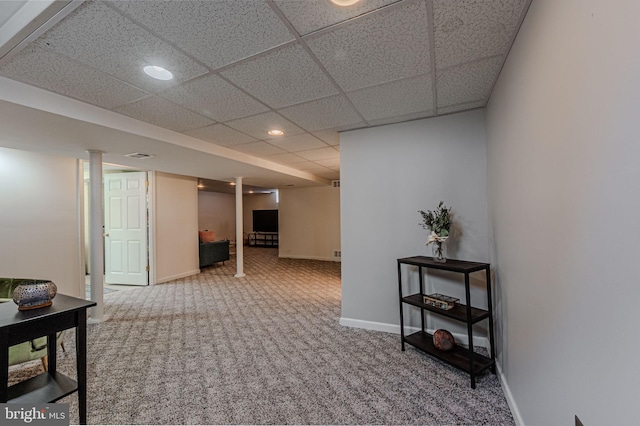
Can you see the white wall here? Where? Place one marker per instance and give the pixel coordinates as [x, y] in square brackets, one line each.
[388, 173]
[564, 174]
[217, 212]
[309, 222]
[39, 219]
[176, 224]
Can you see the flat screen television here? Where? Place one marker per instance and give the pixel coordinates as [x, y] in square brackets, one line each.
[265, 221]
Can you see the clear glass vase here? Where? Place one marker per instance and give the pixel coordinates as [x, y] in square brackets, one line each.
[439, 251]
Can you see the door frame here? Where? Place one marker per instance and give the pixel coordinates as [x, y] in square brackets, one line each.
[151, 218]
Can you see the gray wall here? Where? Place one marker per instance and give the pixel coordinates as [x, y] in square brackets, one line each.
[388, 174]
[564, 176]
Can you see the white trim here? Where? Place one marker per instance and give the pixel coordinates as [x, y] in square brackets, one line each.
[295, 256]
[370, 325]
[81, 235]
[515, 412]
[151, 206]
[178, 276]
[479, 341]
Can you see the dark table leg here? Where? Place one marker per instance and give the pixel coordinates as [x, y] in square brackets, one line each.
[470, 331]
[4, 366]
[52, 347]
[81, 358]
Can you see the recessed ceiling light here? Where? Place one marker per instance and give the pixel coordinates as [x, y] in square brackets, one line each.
[139, 155]
[158, 72]
[276, 132]
[344, 2]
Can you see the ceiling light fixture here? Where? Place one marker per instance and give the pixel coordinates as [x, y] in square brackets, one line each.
[344, 3]
[157, 72]
[232, 183]
[276, 132]
[139, 155]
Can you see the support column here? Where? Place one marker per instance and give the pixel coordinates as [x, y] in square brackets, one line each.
[239, 230]
[96, 234]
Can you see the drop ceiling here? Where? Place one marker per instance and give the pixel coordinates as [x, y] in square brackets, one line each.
[243, 67]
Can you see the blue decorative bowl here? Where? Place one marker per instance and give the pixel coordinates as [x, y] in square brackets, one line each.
[33, 294]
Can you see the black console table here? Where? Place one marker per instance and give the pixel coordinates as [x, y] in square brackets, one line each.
[21, 326]
[464, 359]
[263, 239]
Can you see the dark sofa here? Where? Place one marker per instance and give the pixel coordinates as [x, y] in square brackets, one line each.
[214, 252]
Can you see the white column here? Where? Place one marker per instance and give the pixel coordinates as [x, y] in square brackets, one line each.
[239, 230]
[96, 234]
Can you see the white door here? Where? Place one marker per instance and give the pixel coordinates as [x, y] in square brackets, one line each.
[125, 228]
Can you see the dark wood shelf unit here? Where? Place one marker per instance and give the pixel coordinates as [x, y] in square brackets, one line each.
[457, 357]
[263, 239]
[43, 388]
[458, 312]
[465, 359]
[21, 326]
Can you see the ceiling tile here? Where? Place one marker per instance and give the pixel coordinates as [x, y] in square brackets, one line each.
[213, 97]
[98, 36]
[220, 135]
[301, 142]
[408, 117]
[282, 77]
[48, 70]
[394, 99]
[319, 154]
[164, 113]
[381, 47]
[258, 125]
[322, 114]
[285, 158]
[467, 83]
[259, 148]
[469, 30]
[218, 32]
[333, 163]
[329, 136]
[311, 15]
[461, 107]
[312, 167]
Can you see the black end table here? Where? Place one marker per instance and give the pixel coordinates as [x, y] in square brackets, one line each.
[20, 326]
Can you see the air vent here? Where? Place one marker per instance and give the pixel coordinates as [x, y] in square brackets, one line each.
[139, 155]
[335, 183]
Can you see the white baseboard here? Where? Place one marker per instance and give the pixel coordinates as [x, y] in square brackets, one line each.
[177, 276]
[515, 412]
[370, 325]
[480, 341]
[294, 256]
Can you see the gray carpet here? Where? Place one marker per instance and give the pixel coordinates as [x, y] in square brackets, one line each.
[264, 349]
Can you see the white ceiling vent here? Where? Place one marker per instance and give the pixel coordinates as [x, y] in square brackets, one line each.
[335, 183]
[139, 155]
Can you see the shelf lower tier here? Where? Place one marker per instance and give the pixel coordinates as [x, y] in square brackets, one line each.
[459, 312]
[457, 357]
[43, 388]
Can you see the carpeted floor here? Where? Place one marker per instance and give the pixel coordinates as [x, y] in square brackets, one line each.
[264, 349]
